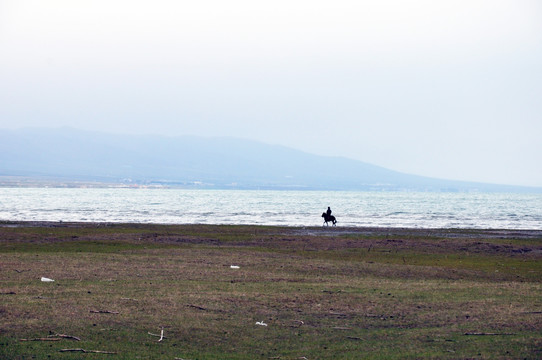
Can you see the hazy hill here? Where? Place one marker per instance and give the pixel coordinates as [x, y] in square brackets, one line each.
[70, 154]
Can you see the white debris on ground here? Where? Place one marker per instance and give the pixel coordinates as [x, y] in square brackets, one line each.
[44, 279]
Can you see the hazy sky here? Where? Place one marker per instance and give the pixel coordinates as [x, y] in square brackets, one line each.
[449, 89]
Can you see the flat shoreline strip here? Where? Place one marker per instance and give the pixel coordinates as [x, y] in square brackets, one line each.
[293, 230]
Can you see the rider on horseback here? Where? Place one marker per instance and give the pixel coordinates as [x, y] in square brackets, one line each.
[328, 217]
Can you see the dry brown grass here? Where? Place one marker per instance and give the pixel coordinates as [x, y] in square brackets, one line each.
[326, 295]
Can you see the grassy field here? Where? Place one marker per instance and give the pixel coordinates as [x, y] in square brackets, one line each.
[332, 293]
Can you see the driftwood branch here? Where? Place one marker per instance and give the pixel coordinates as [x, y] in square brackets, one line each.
[64, 336]
[353, 338]
[161, 336]
[104, 312]
[489, 334]
[55, 337]
[87, 351]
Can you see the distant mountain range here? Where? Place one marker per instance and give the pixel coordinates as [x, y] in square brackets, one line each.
[67, 154]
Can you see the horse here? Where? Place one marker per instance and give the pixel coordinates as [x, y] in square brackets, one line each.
[329, 218]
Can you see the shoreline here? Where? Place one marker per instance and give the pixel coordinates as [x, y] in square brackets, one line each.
[473, 233]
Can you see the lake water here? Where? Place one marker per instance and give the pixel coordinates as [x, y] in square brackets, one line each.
[288, 208]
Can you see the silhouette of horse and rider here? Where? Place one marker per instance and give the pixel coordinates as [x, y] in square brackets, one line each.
[328, 218]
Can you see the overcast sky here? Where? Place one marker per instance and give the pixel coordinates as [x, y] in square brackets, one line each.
[448, 89]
